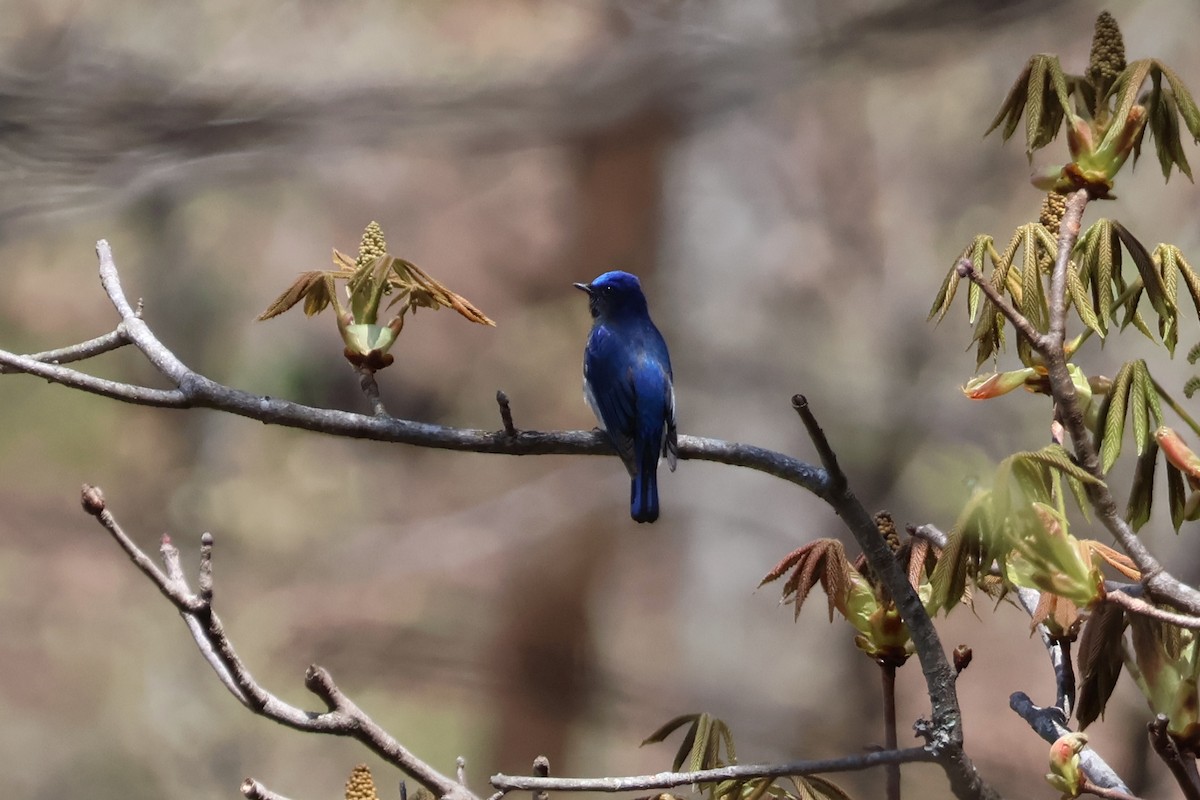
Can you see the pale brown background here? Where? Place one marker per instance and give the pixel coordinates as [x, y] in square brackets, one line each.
[790, 179]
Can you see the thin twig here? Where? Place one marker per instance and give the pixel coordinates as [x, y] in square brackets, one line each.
[113, 340]
[541, 769]
[1182, 767]
[967, 270]
[1050, 723]
[837, 478]
[370, 389]
[1109, 794]
[341, 718]
[506, 417]
[254, 790]
[1174, 405]
[890, 741]
[666, 780]
[1137, 605]
[930, 533]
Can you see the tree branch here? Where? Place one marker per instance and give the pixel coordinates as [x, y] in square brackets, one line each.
[192, 390]
[1060, 660]
[967, 270]
[1137, 605]
[944, 737]
[1182, 766]
[666, 780]
[113, 340]
[341, 717]
[1049, 346]
[196, 391]
[1050, 724]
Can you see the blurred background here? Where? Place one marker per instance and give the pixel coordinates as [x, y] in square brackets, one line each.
[790, 179]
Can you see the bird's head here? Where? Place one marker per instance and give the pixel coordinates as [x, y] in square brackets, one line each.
[613, 294]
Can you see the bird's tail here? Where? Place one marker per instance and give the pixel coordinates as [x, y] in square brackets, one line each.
[643, 501]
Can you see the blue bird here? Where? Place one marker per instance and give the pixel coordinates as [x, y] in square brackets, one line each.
[627, 382]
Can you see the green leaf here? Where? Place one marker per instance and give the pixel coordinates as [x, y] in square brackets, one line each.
[1141, 493]
[1033, 103]
[1151, 279]
[1081, 301]
[1176, 495]
[1139, 406]
[1056, 457]
[1171, 255]
[1127, 86]
[1103, 270]
[669, 727]
[1139, 322]
[819, 788]
[1033, 298]
[1080, 495]
[968, 551]
[1112, 415]
[1010, 109]
[1183, 101]
[945, 295]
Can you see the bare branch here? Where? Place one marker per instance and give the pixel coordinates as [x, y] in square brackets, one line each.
[129, 393]
[837, 478]
[666, 780]
[113, 340]
[341, 718]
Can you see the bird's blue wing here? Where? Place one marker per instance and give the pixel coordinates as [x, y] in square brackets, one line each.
[609, 387]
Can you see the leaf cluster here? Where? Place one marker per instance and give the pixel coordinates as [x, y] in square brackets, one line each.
[706, 737]
[1016, 531]
[1163, 659]
[367, 284]
[852, 591]
[370, 277]
[1097, 287]
[1106, 122]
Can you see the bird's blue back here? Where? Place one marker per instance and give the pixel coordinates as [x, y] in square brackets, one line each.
[628, 383]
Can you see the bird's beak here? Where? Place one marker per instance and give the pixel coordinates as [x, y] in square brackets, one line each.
[583, 287]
